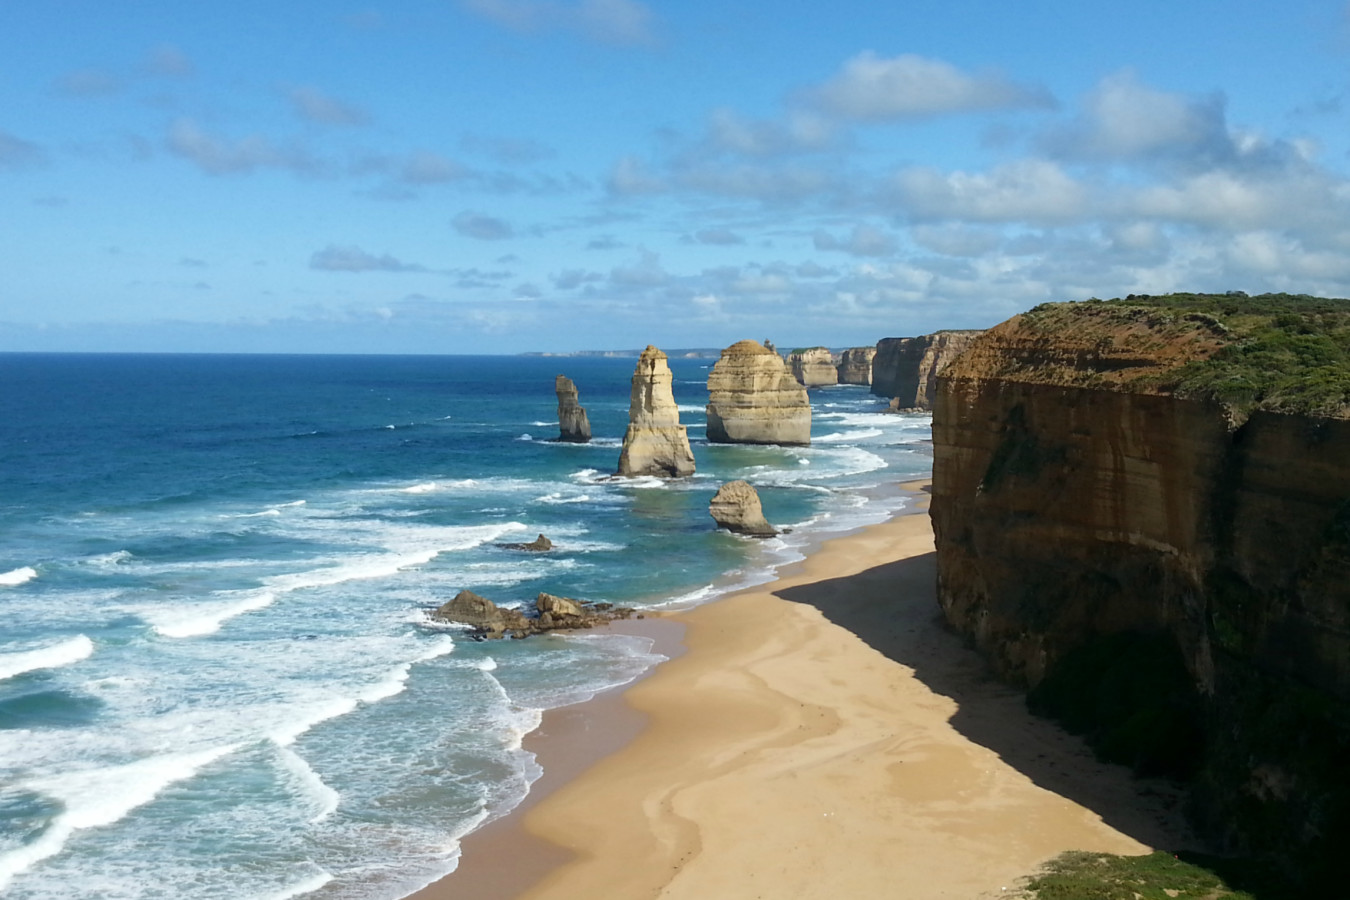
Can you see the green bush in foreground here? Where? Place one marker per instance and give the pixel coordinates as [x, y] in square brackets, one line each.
[1158, 876]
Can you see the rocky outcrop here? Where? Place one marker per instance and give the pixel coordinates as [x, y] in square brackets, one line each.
[573, 426]
[1169, 575]
[655, 442]
[736, 508]
[813, 367]
[753, 399]
[907, 368]
[538, 545]
[490, 621]
[855, 365]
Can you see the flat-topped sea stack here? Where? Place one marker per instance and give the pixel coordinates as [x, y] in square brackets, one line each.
[753, 399]
[906, 369]
[655, 442]
[855, 365]
[813, 367]
[1142, 512]
[573, 426]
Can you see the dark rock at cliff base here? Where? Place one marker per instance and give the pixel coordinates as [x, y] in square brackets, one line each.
[487, 620]
[573, 425]
[538, 545]
[736, 508]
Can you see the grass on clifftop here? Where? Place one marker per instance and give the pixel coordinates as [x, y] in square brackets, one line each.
[1156, 876]
[1281, 352]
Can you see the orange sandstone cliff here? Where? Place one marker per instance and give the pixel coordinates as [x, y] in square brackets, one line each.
[906, 369]
[1135, 521]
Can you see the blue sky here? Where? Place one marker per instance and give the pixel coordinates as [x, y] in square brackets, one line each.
[461, 176]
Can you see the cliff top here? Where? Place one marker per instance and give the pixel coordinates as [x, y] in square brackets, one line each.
[748, 348]
[1282, 352]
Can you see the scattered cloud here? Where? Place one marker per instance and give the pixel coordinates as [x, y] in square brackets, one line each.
[192, 262]
[718, 237]
[605, 242]
[89, 83]
[426, 167]
[220, 156]
[571, 279]
[17, 153]
[1029, 190]
[334, 258]
[481, 226]
[630, 177]
[873, 88]
[365, 20]
[508, 151]
[863, 240]
[645, 272]
[616, 22]
[313, 105]
[169, 61]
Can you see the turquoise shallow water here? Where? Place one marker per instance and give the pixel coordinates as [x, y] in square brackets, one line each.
[217, 678]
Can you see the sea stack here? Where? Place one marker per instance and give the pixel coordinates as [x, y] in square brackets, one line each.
[573, 426]
[907, 368]
[753, 399]
[813, 367]
[855, 365]
[655, 442]
[736, 508]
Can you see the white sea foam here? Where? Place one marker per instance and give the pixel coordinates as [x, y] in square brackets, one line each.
[97, 797]
[109, 560]
[397, 680]
[53, 657]
[16, 577]
[194, 620]
[559, 498]
[690, 408]
[319, 798]
[425, 487]
[307, 886]
[843, 436]
[525, 437]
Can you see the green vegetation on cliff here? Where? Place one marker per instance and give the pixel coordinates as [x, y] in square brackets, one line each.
[1279, 352]
[1080, 875]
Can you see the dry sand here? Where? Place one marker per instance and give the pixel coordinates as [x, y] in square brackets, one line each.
[823, 736]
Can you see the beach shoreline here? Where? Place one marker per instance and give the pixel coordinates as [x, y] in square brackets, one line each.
[821, 732]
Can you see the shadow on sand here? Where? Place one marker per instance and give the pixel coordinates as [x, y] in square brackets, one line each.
[907, 627]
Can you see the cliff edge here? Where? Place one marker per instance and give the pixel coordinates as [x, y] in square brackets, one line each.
[1142, 513]
[906, 369]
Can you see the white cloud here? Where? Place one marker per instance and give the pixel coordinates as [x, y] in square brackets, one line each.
[730, 132]
[313, 105]
[219, 156]
[15, 152]
[645, 272]
[870, 87]
[618, 22]
[482, 226]
[717, 237]
[169, 61]
[89, 83]
[353, 259]
[425, 167]
[630, 177]
[1028, 190]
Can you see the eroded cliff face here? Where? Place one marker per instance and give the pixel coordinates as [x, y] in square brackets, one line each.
[753, 399]
[1073, 504]
[813, 367]
[855, 365]
[906, 369]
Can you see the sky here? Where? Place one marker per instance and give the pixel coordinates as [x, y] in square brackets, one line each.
[502, 176]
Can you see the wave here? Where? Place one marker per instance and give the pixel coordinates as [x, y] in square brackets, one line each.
[525, 437]
[558, 498]
[16, 577]
[315, 793]
[425, 487]
[53, 657]
[93, 798]
[199, 619]
[108, 560]
[308, 886]
[841, 436]
[398, 678]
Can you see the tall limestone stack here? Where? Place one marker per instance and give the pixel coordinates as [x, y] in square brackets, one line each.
[656, 442]
[855, 365]
[753, 399]
[573, 426]
[907, 368]
[813, 367]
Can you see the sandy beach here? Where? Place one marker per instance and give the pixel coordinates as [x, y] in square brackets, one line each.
[819, 736]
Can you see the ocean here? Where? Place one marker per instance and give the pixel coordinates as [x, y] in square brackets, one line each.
[217, 674]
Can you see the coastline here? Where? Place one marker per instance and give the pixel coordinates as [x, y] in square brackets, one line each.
[821, 732]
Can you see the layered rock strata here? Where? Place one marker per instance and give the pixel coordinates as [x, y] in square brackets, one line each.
[813, 367]
[573, 425]
[1093, 526]
[487, 620]
[736, 508]
[655, 442]
[855, 365]
[753, 399]
[907, 369]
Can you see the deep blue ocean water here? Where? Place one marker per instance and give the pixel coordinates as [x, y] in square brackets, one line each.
[217, 677]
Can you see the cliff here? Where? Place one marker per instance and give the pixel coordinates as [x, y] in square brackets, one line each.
[907, 368]
[813, 367]
[1142, 512]
[655, 442]
[753, 399]
[855, 365]
[573, 424]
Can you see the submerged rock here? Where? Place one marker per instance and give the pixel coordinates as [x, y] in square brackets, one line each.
[489, 621]
[538, 545]
[753, 399]
[813, 367]
[573, 425]
[655, 442]
[736, 508]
